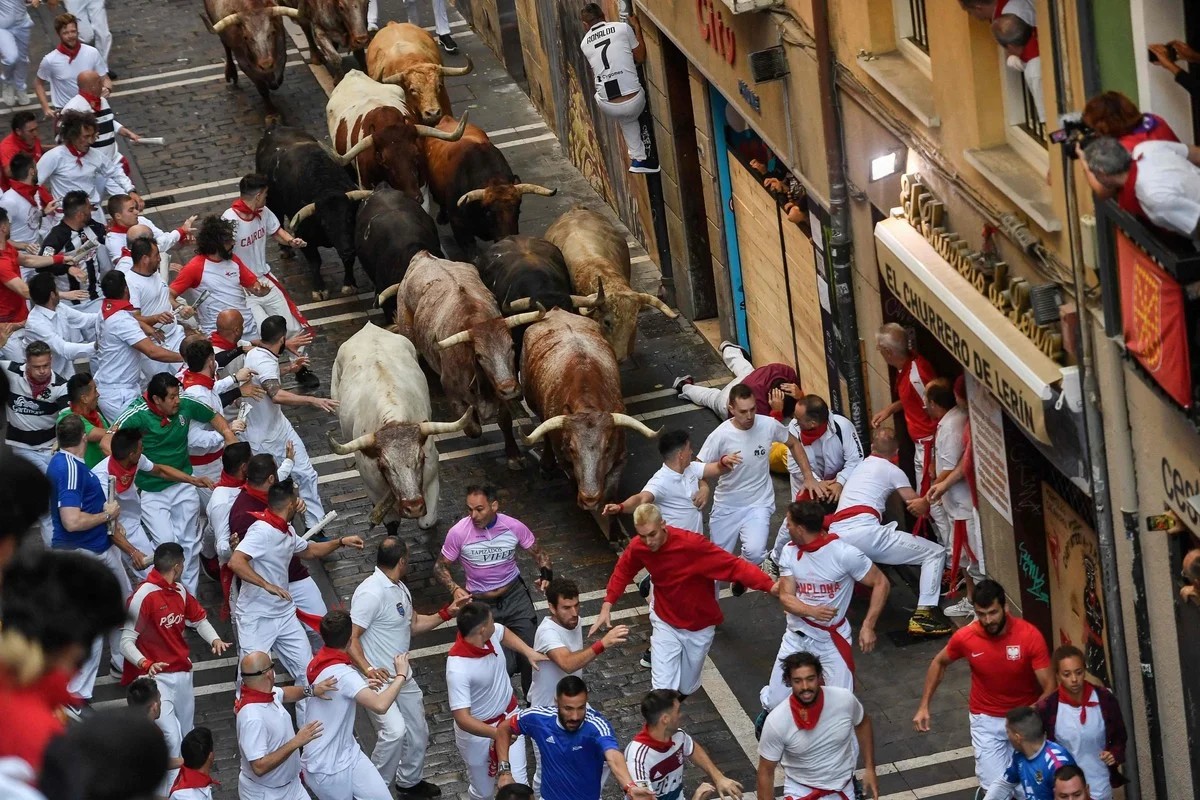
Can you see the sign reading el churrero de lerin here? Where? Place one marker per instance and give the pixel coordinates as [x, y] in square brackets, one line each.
[969, 309]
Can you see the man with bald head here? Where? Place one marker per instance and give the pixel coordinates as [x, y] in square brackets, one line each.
[1019, 40]
[268, 744]
[149, 293]
[91, 99]
[859, 521]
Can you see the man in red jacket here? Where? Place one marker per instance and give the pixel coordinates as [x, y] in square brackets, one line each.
[761, 380]
[684, 613]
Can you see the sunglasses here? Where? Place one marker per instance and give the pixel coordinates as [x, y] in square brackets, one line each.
[269, 668]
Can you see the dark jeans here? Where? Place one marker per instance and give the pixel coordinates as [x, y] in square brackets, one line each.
[514, 610]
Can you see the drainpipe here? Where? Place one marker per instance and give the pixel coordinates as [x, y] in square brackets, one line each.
[1093, 421]
[850, 355]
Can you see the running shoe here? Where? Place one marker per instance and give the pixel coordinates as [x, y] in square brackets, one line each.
[680, 382]
[771, 566]
[737, 589]
[929, 622]
[641, 165]
[727, 343]
[421, 789]
[644, 661]
[759, 721]
[963, 608]
[447, 42]
[307, 378]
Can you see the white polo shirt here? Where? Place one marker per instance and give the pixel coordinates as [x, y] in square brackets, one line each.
[872, 484]
[821, 758]
[335, 749]
[250, 238]
[263, 728]
[552, 636]
[118, 363]
[673, 492]
[480, 685]
[749, 484]
[384, 609]
[266, 422]
[1168, 186]
[270, 551]
[62, 72]
[948, 449]
[150, 294]
[825, 577]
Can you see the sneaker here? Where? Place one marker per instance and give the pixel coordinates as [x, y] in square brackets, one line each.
[679, 383]
[737, 589]
[422, 788]
[307, 378]
[963, 608]
[727, 343]
[644, 587]
[771, 566]
[447, 42]
[23, 98]
[928, 622]
[112, 76]
[645, 659]
[859, 792]
[373, 27]
[114, 670]
[641, 165]
[759, 721]
[8, 95]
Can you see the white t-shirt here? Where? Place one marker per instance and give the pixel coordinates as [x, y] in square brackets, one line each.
[480, 684]
[129, 500]
[217, 513]
[608, 47]
[118, 363]
[150, 294]
[270, 552]
[250, 238]
[226, 283]
[1021, 8]
[385, 610]
[660, 770]
[1168, 186]
[673, 493]
[948, 449]
[552, 636]
[748, 485]
[821, 758]
[825, 577]
[266, 422]
[872, 484]
[263, 728]
[335, 749]
[62, 72]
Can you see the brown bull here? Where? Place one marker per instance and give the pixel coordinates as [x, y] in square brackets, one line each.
[597, 257]
[332, 24]
[572, 382]
[251, 32]
[405, 54]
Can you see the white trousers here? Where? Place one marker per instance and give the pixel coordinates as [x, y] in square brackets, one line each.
[993, 752]
[626, 114]
[360, 782]
[474, 751]
[84, 681]
[945, 533]
[919, 461]
[93, 24]
[114, 398]
[677, 656]
[41, 460]
[728, 524]
[283, 635]
[303, 472]
[248, 790]
[441, 21]
[718, 399]
[178, 713]
[14, 53]
[883, 544]
[402, 737]
[271, 304]
[173, 342]
[136, 534]
[172, 515]
[834, 669]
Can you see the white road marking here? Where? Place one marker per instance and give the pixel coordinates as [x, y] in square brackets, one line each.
[199, 187]
[936, 790]
[530, 140]
[199, 201]
[519, 129]
[350, 315]
[337, 301]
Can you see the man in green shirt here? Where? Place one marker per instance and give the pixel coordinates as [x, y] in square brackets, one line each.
[83, 400]
[170, 510]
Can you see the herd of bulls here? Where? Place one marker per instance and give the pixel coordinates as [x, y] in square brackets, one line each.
[547, 318]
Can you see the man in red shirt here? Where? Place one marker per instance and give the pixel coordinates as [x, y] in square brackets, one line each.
[14, 292]
[23, 139]
[913, 374]
[1010, 667]
[683, 604]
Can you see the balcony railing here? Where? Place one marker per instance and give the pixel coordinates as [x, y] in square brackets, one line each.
[1030, 122]
[920, 29]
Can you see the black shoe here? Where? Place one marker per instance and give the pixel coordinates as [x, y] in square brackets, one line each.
[644, 587]
[680, 382]
[759, 721]
[112, 76]
[448, 44]
[307, 378]
[645, 659]
[738, 589]
[422, 788]
[726, 343]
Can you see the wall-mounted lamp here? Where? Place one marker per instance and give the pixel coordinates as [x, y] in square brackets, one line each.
[886, 165]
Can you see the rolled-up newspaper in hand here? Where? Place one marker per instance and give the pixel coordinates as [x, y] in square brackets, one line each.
[203, 296]
[111, 495]
[151, 140]
[321, 523]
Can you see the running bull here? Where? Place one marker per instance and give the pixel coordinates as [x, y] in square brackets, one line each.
[251, 31]
[407, 56]
[391, 229]
[332, 24]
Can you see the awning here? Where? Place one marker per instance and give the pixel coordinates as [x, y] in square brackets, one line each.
[975, 332]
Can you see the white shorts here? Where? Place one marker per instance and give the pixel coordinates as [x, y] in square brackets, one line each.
[359, 782]
[677, 656]
[248, 790]
[993, 752]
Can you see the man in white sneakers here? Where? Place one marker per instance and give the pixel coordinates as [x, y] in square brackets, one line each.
[858, 521]
[813, 735]
[383, 619]
[335, 767]
[658, 753]
[220, 278]
[481, 696]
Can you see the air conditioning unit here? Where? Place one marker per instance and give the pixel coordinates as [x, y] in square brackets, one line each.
[769, 65]
[741, 6]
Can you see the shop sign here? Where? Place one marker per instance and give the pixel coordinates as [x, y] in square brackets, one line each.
[750, 96]
[1152, 317]
[716, 31]
[987, 440]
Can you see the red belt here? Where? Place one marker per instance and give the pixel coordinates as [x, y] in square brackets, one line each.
[493, 759]
[843, 647]
[292, 307]
[926, 479]
[956, 549]
[850, 512]
[207, 458]
[817, 794]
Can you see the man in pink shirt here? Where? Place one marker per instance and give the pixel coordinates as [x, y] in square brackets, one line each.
[485, 544]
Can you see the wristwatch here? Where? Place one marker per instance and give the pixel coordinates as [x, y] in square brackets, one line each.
[503, 766]
[308, 690]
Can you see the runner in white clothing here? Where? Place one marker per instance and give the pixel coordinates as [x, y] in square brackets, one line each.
[31, 209]
[200, 383]
[220, 277]
[658, 753]
[125, 212]
[151, 296]
[59, 324]
[859, 521]
[381, 612]
[745, 496]
[61, 66]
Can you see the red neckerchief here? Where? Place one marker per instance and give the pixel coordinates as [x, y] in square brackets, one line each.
[809, 437]
[1088, 692]
[258, 494]
[70, 54]
[325, 657]
[229, 480]
[465, 649]
[124, 475]
[645, 738]
[189, 778]
[92, 100]
[29, 191]
[806, 717]
[817, 543]
[244, 211]
[110, 307]
[220, 342]
[79, 154]
[36, 389]
[126, 253]
[163, 419]
[91, 416]
[115, 228]
[252, 696]
[197, 379]
[155, 578]
[271, 518]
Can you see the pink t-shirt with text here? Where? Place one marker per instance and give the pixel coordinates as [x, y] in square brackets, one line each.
[488, 555]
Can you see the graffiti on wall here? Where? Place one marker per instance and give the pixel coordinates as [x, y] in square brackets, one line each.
[583, 147]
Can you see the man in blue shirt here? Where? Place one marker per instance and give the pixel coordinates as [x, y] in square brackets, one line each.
[574, 744]
[1035, 761]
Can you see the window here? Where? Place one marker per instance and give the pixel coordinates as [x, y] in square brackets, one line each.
[912, 32]
[1025, 132]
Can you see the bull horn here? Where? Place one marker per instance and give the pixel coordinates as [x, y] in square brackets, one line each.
[360, 146]
[453, 72]
[518, 305]
[524, 319]
[470, 197]
[549, 426]
[353, 446]
[358, 194]
[462, 337]
[626, 421]
[651, 300]
[224, 22]
[388, 293]
[433, 428]
[283, 11]
[382, 508]
[395, 78]
[300, 216]
[533, 188]
[445, 136]
[585, 301]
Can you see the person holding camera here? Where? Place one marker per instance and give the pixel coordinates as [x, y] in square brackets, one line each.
[1158, 181]
[1168, 55]
[1114, 114]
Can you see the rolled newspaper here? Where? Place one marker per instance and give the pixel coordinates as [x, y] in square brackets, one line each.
[151, 140]
[243, 414]
[112, 495]
[321, 523]
[203, 296]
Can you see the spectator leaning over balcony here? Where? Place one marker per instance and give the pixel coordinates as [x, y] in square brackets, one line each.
[1114, 114]
[1019, 40]
[1158, 181]
[1168, 55]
